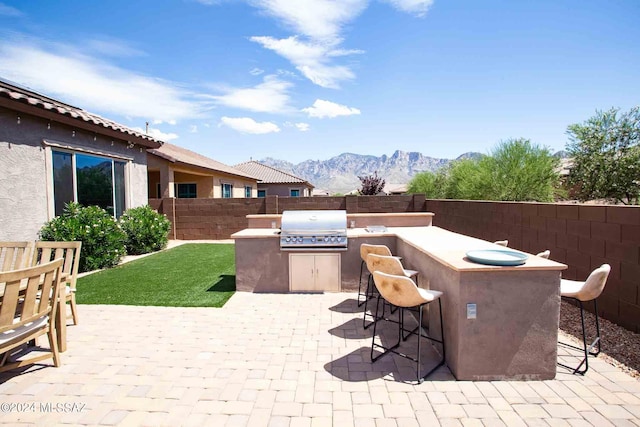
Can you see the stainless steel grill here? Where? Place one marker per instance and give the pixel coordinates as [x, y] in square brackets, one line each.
[321, 230]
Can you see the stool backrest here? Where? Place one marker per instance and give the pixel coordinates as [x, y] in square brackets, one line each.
[594, 285]
[544, 254]
[366, 249]
[385, 264]
[398, 290]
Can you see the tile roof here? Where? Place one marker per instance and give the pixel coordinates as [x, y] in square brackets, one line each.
[268, 175]
[38, 101]
[176, 154]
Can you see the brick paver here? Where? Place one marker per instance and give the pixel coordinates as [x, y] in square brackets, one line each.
[281, 360]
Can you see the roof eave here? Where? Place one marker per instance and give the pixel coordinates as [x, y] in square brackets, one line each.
[79, 123]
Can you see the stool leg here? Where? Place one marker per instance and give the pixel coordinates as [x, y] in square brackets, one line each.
[360, 285]
[368, 296]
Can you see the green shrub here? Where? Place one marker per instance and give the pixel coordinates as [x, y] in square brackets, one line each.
[101, 236]
[146, 230]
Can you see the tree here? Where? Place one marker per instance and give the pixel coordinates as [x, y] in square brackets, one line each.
[371, 185]
[516, 170]
[606, 156]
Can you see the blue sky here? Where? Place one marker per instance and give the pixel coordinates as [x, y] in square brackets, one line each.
[310, 79]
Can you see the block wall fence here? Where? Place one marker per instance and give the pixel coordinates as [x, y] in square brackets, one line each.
[581, 236]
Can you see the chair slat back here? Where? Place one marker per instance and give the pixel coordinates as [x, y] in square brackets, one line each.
[386, 264]
[70, 251]
[14, 255]
[29, 294]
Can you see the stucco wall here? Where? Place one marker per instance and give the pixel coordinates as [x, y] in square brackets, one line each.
[24, 198]
[284, 189]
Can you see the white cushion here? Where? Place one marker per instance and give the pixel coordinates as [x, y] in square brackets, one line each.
[23, 329]
[428, 296]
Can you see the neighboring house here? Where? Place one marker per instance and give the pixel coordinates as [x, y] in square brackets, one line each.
[274, 182]
[395, 189]
[177, 172]
[52, 153]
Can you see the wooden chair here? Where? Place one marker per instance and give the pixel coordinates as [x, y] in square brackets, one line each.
[70, 252]
[14, 255]
[28, 305]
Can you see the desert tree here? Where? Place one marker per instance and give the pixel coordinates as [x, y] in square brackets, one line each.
[370, 185]
[605, 151]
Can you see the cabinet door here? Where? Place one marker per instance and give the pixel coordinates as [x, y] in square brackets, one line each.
[302, 272]
[328, 272]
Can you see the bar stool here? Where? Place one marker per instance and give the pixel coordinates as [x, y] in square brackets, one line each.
[589, 290]
[390, 265]
[366, 249]
[544, 254]
[402, 292]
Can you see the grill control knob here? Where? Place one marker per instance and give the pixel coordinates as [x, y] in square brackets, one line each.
[313, 239]
[326, 238]
[333, 238]
[288, 239]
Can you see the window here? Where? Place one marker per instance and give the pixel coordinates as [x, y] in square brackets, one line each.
[262, 193]
[185, 191]
[89, 180]
[227, 191]
[158, 191]
[247, 191]
[294, 192]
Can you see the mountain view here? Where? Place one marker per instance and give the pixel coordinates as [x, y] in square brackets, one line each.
[340, 174]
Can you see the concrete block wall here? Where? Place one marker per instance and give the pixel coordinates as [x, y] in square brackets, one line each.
[581, 236]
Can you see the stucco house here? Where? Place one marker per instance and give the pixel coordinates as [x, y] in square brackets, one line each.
[52, 153]
[177, 172]
[274, 182]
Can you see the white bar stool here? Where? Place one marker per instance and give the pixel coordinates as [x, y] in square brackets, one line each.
[589, 290]
[402, 292]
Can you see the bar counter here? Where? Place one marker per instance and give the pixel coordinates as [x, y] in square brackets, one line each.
[517, 308]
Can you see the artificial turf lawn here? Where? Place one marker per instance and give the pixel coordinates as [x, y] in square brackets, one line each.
[191, 275]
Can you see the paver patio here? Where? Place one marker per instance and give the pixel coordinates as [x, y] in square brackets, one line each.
[281, 360]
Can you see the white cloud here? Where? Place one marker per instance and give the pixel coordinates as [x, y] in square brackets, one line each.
[317, 19]
[93, 84]
[248, 125]
[9, 10]
[109, 46]
[311, 59]
[256, 71]
[157, 134]
[302, 127]
[416, 7]
[322, 109]
[193, 129]
[270, 96]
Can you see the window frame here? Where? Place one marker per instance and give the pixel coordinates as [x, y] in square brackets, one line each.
[264, 193]
[51, 147]
[292, 189]
[176, 189]
[222, 186]
[248, 190]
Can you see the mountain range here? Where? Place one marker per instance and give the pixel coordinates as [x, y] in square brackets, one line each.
[339, 174]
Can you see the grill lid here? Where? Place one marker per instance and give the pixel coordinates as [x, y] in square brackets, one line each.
[314, 222]
[314, 229]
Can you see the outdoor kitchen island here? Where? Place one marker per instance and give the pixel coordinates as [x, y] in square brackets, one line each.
[500, 322]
